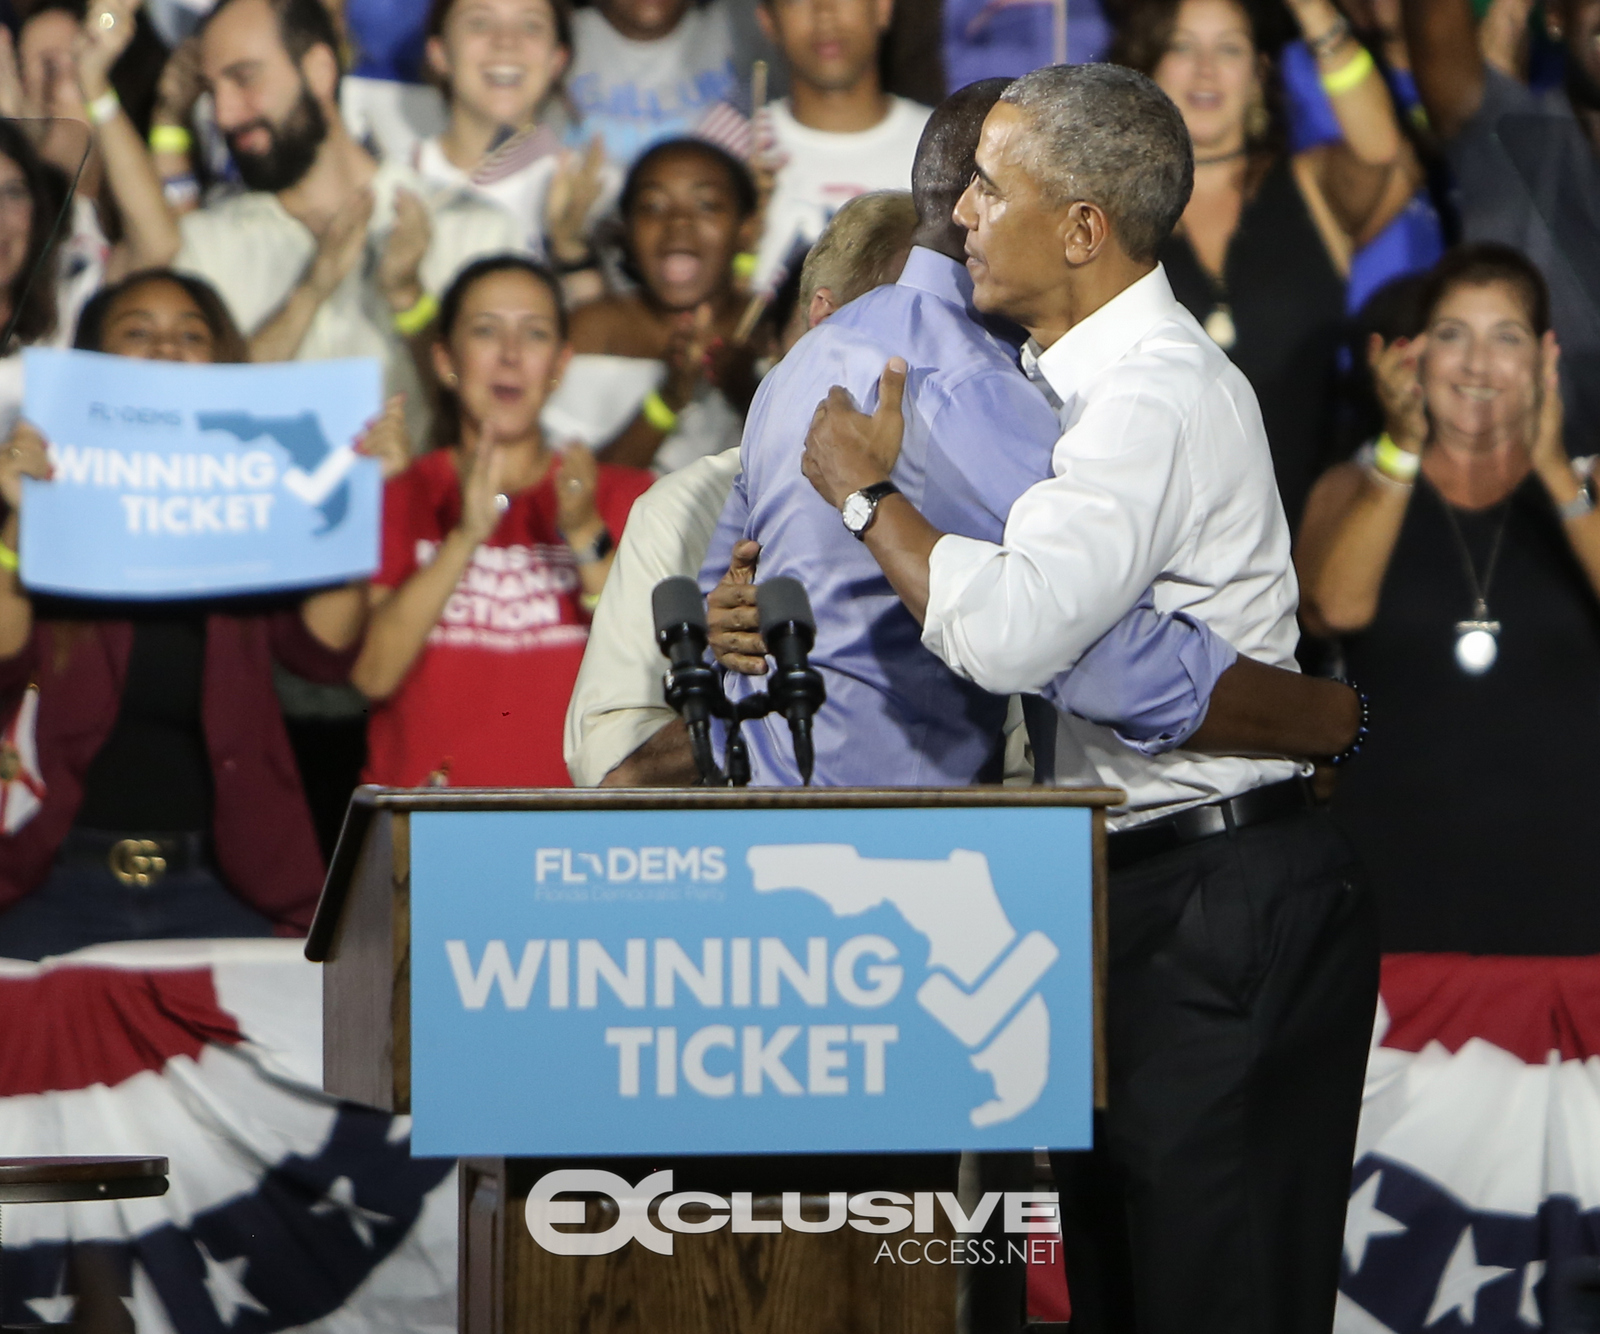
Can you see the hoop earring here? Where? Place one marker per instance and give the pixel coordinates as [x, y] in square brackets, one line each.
[452, 379]
[1257, 119]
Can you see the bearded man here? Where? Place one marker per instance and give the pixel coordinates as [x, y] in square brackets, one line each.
[328, 253]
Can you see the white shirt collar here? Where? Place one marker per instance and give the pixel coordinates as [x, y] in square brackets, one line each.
[1093, 345]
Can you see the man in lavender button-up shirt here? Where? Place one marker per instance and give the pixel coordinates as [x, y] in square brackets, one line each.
[978, 435]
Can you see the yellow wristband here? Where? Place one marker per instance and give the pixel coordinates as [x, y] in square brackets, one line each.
[1398, 465]
[103, 108]
[658, 414]
[1350, 74]
[744, 266]
[412, 322]
[8, 558]
[170, 139]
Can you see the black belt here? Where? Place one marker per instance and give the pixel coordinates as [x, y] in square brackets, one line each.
[137, 860]
[1257, 806]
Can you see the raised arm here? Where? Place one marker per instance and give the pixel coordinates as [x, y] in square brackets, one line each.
[1445, 60]
[403, 617]
[1354, 515]
[1369, 176]
[338, 250]
[150, 231]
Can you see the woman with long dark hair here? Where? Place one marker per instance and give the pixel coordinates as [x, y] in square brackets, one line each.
[1261, 255]
[150, 790]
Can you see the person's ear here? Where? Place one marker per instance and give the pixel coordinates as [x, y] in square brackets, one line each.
[563, 360]
[769, 25]
[822, 306]
[560, 58]
[885, 14]
[1085, 233]
[749, 236]
[437, 55]
[444, 366]
[319, 67]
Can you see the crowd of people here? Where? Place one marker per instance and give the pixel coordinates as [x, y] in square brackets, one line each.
[596, 249]
[578, 240]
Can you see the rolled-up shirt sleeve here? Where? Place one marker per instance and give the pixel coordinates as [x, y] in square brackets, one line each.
[1079, 548]
[1149, 678]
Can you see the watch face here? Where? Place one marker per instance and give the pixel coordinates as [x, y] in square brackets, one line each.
[857, 512]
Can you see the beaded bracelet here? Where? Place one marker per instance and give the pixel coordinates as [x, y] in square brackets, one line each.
[1354, 748]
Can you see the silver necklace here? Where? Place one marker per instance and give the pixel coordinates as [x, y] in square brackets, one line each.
[1478, 637]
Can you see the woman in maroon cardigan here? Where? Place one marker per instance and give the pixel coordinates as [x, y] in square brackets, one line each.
[171, 803]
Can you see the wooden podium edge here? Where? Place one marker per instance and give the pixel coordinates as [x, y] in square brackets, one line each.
[368, 800]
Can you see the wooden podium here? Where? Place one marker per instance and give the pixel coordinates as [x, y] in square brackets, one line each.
[718, 1282]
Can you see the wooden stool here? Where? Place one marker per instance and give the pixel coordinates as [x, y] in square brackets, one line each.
[55, 1180]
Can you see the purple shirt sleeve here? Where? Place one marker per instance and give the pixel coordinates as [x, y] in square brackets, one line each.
[1149, 678]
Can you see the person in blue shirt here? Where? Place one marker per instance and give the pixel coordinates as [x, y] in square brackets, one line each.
[978, 434]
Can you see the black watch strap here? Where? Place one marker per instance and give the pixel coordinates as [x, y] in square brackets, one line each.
[599, 549]
[878, 490]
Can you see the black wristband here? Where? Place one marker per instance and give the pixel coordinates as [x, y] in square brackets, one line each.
[1354, 748]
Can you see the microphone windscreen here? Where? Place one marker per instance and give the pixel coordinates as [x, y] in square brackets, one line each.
[677, 601]
[780, 601]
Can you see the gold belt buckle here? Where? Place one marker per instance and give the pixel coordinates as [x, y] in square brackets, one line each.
[137, 862]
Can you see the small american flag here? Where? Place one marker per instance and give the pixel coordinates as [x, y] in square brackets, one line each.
[519, 151]
[727, 128]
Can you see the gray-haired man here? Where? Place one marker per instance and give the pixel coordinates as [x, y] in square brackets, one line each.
[1243, 944]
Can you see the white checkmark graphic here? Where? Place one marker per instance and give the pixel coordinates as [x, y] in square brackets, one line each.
[315, 487]
[972, 1016]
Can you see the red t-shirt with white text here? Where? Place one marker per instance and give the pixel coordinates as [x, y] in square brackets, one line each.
[486, 700]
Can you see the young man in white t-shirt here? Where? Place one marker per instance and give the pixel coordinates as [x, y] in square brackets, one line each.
[838, 134]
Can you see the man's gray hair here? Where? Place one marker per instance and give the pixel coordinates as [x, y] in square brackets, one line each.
[1107, 135]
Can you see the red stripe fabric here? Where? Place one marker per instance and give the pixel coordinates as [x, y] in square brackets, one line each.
[1527, 1006]
[70, 1028]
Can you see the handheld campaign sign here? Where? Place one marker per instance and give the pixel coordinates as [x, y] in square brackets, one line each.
[704, 982]
[176, 480]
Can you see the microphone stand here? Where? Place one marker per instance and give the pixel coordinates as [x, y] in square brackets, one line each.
[694, 690]
[758, 705]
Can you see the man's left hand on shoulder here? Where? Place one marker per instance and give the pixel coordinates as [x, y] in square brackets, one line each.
[846, 450]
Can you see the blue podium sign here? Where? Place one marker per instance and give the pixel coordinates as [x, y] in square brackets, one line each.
[754, 981]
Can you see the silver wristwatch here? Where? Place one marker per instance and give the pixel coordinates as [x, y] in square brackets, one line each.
[861, 507]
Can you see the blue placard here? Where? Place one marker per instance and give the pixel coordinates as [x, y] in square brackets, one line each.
[177, 480]
[619, 982]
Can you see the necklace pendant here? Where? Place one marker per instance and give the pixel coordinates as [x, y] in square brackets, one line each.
[1477, 646]
[1219, 328]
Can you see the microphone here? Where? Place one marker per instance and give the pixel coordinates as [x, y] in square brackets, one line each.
[691, 687]
[796, 688]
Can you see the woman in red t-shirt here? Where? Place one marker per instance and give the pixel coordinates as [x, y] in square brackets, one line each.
[495, 550]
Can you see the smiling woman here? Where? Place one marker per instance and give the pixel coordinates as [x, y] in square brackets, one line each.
[670, 346]
[1459, 557]
[500, 63]
[495, 550]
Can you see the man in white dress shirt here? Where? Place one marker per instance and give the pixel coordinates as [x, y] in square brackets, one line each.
[1243, 968]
